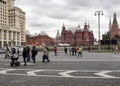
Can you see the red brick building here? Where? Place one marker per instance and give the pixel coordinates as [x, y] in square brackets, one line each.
[77, 35]
[40, 39]
[114, 28]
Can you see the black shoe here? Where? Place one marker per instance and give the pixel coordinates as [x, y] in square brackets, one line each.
[24, 64]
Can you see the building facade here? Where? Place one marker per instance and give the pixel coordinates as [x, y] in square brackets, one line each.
[77, 35]
[41, 39]
[12, 24]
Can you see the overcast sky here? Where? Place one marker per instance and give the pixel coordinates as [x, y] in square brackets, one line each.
[49, 15]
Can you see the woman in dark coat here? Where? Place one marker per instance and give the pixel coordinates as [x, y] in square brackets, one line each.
[24, 54]
[28, 53]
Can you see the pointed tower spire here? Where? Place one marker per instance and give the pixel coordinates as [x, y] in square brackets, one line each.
[78, 25]
[110, 23]
[63, 27]
[58, 37]
[58, 33]
[85, 26]
[85, 22]
[63, 24]
[115, 23]
[88, 26]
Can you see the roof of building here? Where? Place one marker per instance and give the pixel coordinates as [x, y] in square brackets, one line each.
[73, 29]
[43, 33]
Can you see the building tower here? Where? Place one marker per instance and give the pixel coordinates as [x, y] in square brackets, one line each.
[12, 24]
[63, 28]
[58, 37]
[11, 4]
[114, 29]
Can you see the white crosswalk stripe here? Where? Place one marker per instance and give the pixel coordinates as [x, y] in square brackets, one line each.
[104, 74]
[61, 73]
[66, 73]
[33, 72]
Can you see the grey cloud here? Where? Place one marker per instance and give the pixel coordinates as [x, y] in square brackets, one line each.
[40, 12]
[42, 25]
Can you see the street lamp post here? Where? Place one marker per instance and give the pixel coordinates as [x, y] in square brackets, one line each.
[109, 32]
[99, 13]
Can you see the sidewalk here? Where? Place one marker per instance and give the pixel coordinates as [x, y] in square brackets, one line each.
[63, 57]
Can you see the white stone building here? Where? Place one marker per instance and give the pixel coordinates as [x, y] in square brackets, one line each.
[12, 24]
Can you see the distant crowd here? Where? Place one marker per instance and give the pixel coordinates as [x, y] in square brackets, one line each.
[73, 51]
[29, 53]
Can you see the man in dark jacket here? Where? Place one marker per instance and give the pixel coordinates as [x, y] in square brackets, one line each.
[34, 53]
[24, 54]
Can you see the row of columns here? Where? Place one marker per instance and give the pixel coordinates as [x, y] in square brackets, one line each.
[10, 36]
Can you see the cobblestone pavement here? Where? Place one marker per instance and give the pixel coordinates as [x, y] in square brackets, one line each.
[93, 69]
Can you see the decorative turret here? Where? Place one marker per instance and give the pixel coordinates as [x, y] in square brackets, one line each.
[85, 26]
[115, 23]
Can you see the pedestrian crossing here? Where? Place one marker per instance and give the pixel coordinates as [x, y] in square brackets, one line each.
[86, 74]
[21, 63]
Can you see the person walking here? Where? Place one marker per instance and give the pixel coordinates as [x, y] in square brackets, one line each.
[7, 53]
[24, 54]
[18, 50]
[116, 49]
[70, 51]
[28, 53]
[55, 50]
[45, 55]
[79, 52]
[65, 50]
[89, 49]
[34, 53]
[73, 51]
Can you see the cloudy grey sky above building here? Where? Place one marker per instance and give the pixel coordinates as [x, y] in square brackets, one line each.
[49, 15]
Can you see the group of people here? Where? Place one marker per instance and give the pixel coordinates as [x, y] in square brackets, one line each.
[74, 51]
[26, 53]
[30, 53]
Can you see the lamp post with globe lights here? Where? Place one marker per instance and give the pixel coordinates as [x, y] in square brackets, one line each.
[98, 13]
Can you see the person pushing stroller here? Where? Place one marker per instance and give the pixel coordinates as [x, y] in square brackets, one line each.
[14, 58]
